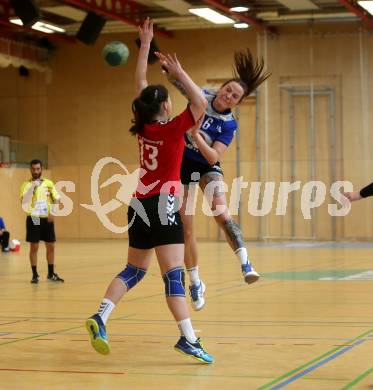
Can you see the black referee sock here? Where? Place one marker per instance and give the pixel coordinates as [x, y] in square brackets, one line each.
[34, 271]
[50, 269]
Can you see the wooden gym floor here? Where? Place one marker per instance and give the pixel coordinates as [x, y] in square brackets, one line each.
[307, 324]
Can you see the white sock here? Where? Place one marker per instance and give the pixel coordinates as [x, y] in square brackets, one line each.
[241, 254]
[194, 276]
[187, 330]
[105, 309]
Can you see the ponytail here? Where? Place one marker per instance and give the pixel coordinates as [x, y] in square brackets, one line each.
[248, 73]
[147, 106]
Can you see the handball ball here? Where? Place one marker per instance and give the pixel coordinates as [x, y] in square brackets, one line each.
[115, 53]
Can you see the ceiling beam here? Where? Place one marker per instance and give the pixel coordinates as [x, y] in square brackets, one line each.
[361, 13]
[243, 18]
[117, 11]
[9, 12]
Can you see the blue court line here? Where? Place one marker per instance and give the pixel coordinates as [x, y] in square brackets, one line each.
[317, 365]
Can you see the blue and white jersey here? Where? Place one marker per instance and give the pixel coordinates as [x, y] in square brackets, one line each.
[215, 127]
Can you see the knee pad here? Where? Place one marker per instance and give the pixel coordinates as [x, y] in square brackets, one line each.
[174, 282]
[131, 275]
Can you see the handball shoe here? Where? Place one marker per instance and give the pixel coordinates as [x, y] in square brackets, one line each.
[195, 350]
[97, 333]
[196, 295]
[249, 273]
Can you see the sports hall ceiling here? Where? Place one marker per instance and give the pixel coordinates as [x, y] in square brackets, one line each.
[170, 15]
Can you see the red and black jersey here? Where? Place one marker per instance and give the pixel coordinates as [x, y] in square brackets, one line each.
[161, 146]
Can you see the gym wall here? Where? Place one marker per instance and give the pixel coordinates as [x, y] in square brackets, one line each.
[313, 122]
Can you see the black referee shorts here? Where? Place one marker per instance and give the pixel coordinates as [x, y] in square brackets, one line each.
[39, 229]
[192, 171]
[154, 221]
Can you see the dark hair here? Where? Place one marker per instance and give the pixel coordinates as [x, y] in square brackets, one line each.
[35, 162]
[146, 106]
[247, 72]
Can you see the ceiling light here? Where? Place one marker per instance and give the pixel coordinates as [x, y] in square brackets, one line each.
[367, 5]
[50, 27]
[211, 15]
[16, 21]
[40, 26]
[42, 29]
[241, 25]
[239, 9]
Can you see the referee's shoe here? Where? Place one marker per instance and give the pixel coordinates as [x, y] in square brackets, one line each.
[55, 278]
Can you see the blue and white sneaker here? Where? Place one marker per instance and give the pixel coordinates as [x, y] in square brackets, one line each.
[97, 333]
[249, 273]
[196, 295]
[195, 350]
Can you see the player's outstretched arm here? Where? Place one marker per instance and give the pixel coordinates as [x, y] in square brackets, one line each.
[357, 195]
[198, 102]
[146, 36]
[352, 196]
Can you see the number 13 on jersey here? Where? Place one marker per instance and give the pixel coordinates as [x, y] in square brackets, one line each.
[148, 155]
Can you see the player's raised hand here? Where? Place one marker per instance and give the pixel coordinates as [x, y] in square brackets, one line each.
[170, 64]
[146, 31]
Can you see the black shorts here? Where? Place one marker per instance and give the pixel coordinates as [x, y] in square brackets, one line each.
[154, 221]
[192, 171]
[39, 229]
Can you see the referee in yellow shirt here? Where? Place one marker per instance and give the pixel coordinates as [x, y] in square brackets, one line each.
[39, 196]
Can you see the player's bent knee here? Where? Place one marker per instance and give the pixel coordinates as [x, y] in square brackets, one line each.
[174, 281]
[131, 275]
